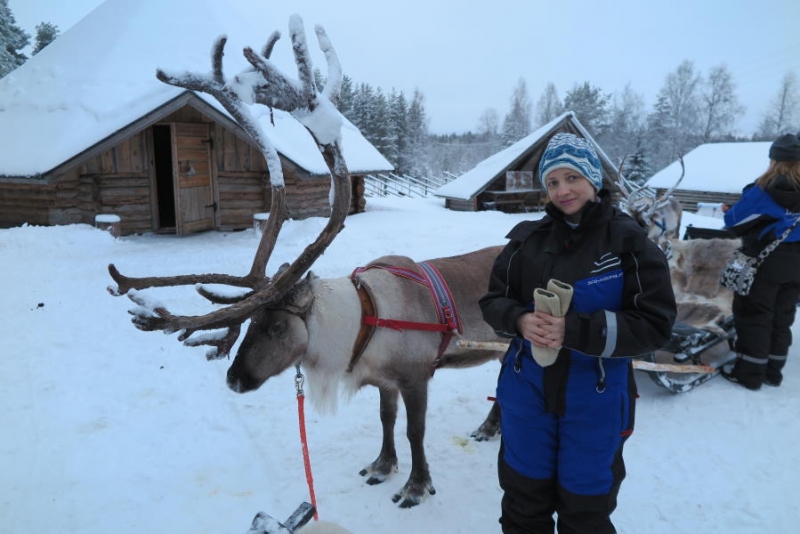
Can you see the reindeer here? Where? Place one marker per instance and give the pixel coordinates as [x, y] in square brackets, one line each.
[318, 323]
[661, 216]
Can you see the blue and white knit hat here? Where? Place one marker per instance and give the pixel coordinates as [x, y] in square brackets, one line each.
[572, 152]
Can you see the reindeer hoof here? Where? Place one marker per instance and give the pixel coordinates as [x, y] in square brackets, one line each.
[412, 496]
[373, 480]
[484, 434]
[378, 471]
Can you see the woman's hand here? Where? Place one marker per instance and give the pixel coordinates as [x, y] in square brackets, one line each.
[542, 329]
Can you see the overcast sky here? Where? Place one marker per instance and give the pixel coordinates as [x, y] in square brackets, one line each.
[468, 56]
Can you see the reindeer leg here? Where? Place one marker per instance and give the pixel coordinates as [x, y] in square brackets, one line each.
[490, 427]
[419, 482]
[386, 463]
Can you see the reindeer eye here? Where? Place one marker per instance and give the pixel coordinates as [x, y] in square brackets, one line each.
[277, 329]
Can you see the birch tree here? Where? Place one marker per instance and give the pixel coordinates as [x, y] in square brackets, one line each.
[673, 124]
[549, 106]
[719, 105]
[783, 113]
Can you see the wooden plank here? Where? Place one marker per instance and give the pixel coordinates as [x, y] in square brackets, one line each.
[123, 151]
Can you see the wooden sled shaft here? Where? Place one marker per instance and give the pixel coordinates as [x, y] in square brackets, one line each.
[499, 346]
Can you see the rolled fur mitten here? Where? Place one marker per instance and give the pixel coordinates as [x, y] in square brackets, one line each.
[554, 300]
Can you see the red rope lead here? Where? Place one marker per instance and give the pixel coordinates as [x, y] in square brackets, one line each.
[301, 413]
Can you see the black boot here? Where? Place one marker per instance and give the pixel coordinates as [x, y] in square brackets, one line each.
[773, 376]
[730, 374]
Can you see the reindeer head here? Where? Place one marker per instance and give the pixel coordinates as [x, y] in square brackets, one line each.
[276, 338]
[660, 216]
[271, 303]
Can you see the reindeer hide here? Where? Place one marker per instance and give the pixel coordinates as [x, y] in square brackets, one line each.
[695, 268]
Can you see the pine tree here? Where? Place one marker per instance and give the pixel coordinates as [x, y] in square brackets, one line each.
[418, 135]
[637, 167]
[398, 119]
[363, 109]
[12, 40]
[46, 33]
[346, 97]
[380, 134]
[590, 106]
[517, 123]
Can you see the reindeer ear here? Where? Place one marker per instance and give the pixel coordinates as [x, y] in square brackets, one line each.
[301, 295]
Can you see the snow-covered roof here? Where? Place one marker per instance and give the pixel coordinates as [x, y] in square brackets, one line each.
[716, 167]
[99, 77]
[479, 177]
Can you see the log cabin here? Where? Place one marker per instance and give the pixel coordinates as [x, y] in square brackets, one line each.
[86, 129]
[509, 180]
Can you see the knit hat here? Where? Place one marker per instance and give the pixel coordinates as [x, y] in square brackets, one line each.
[572, 152]
[785, 148]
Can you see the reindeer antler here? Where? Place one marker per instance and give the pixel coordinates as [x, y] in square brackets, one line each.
[668, 192]
[273, 89]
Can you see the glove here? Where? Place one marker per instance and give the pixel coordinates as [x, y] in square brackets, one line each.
[554, 300]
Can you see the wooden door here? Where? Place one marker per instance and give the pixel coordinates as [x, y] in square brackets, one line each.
[194, 193]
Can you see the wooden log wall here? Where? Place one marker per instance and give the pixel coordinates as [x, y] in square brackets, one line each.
[118, 181]
[690, 199]
[78, 194]
[26, 201]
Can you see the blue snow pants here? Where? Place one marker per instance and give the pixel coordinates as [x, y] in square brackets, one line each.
[570, 464]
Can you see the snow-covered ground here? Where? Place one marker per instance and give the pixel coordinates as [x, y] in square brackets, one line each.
[106, 429]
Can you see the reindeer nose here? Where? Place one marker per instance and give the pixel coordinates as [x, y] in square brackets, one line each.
[240, 384]
[234, 383]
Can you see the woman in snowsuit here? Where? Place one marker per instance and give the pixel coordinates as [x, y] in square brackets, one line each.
[763, 319]
[564, 425]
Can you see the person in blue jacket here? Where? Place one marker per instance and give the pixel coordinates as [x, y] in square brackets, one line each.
[763, 319]
[564, 423]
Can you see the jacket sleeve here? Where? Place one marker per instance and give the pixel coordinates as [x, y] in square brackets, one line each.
[752, 213]
[644, 322]
[501, 305]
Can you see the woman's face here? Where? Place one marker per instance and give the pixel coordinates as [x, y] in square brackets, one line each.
[569, 191]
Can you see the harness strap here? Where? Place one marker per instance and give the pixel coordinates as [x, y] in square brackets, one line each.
[365, 331]
[449, 321]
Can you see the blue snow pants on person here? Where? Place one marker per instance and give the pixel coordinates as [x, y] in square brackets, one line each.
[569, 464]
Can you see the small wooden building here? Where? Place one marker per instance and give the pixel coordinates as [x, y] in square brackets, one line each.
[714, 173]
[99, 134]
[509, 180]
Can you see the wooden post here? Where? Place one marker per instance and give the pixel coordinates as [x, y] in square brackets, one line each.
[260, 222]
[108, 222]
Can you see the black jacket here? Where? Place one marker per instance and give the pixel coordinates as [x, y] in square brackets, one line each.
[550, 248]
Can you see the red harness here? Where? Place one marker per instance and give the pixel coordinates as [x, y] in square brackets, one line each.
[449, 322]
